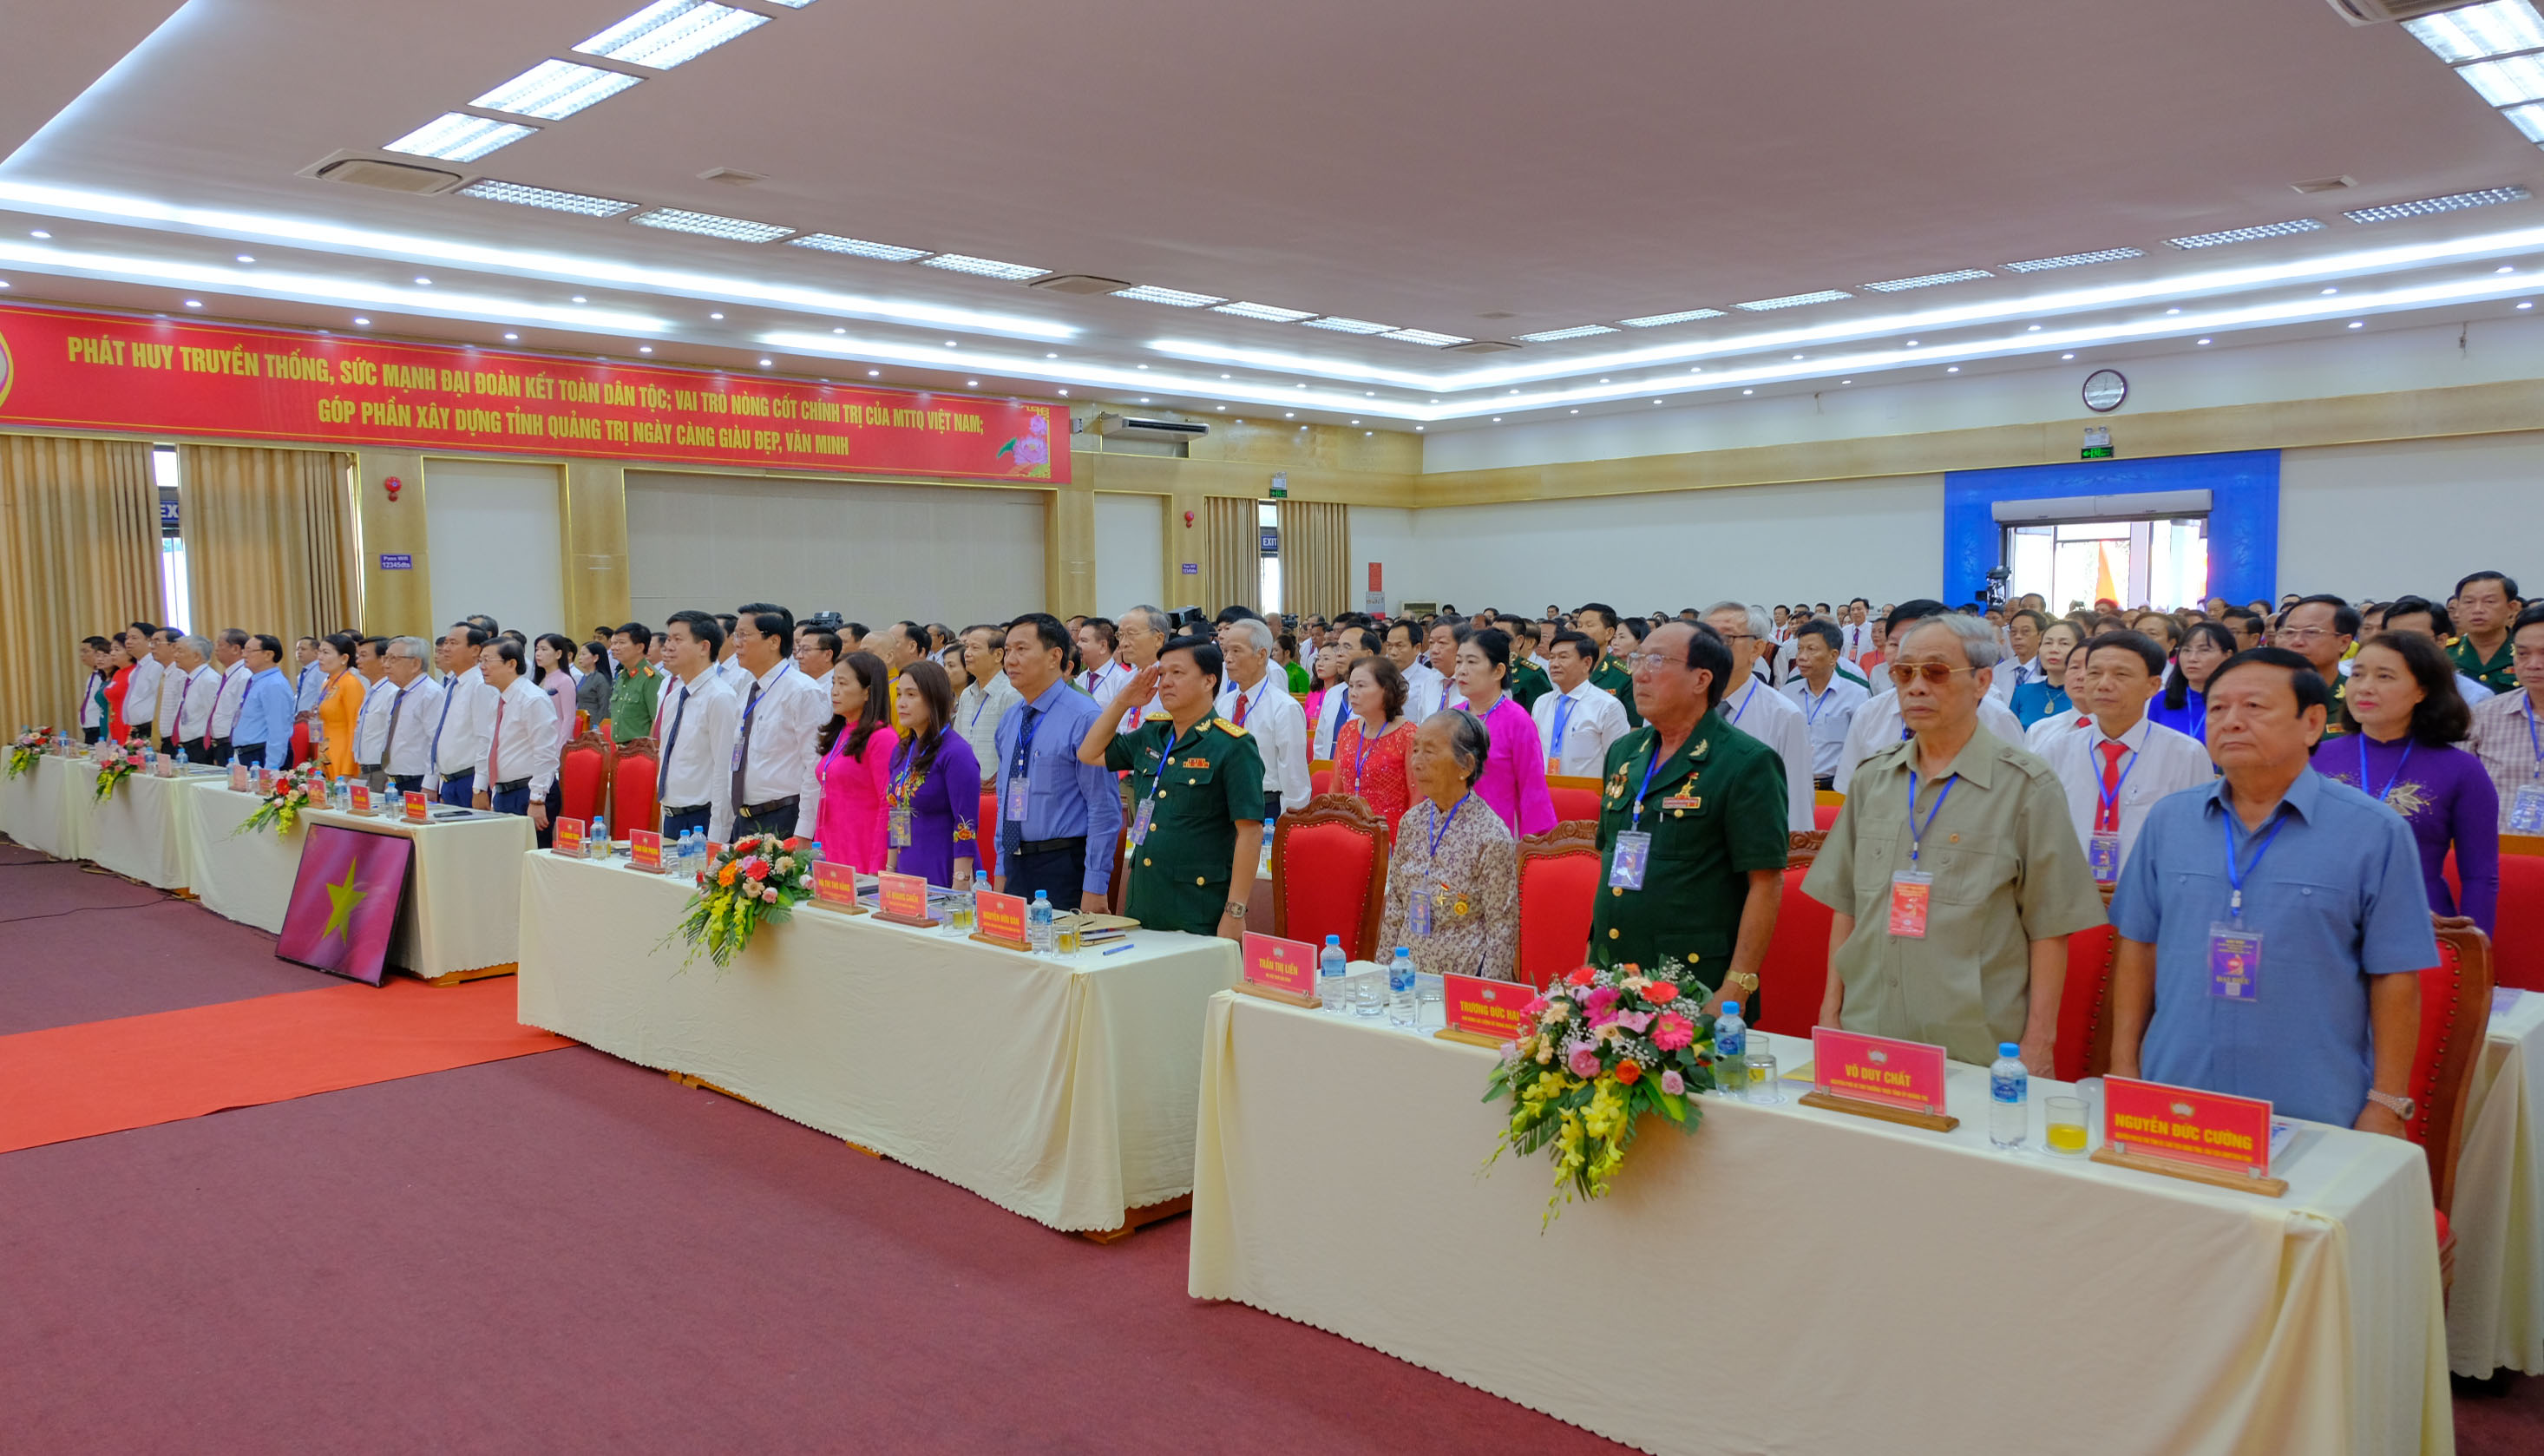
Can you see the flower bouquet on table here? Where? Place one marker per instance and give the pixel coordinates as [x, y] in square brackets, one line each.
[291, 792]
[27, 747]
[750, 885]
[118, 761]
[1610, 1047]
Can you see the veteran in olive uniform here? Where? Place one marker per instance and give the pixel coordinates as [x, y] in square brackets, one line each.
[1692, 825]
[1196, 833]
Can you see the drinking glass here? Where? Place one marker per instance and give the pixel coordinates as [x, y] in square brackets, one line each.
[1762, 1085]
[2065, 1125]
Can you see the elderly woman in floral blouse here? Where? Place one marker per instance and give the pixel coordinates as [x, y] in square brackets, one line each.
[1453, 880]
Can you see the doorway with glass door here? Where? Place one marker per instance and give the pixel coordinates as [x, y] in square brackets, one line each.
[2125, 564]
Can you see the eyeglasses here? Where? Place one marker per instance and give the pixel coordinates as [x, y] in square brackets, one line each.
[1635, 662]
[1904, 673]
[2300, 634]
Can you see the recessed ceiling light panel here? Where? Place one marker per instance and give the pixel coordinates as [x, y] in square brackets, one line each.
[984, 267]
[1931, 280]
[554, 90]
[1794, 300]
[2075, 260]
[2528, 119]
[2289, 228]
[1557, 336]
[1265, 311]
[856, 247]
[2506, 82]
[487, 189]
[670, 32]
[1341, 325]
[1425, 336]
[708, 224]
[1683, 316]
[456, 137]
[2427, 206]
[1171, 297]
[2479, 31]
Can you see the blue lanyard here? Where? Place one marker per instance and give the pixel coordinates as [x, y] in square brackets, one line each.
[1360, 761]
[904, 757]
[1564, 705]
[1650, 769]
[2110, 798]
[1439, 827]
[1481, 714]
[764, 694]
[2235, 873]
[2366, 782]
[978, 706]
[1916, 830]
[1814, 707]
[1751, 688]
[2532, 737]
[1024, 737]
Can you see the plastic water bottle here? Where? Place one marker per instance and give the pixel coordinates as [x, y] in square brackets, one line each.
[1730, 1047]
[2009, 1097]
[1039, 931]
[813, 852]
[600, 839]
[1400, 1007]
[1331, 968]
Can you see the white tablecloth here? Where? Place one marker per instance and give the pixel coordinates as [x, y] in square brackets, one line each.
[1060, 1090]
[38, 808]
[242, 877]
[2496, 1310]
[140, 830]
[463, 905]
[1793, 1280]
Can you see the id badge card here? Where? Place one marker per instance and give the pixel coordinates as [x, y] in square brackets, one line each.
[1140, 822]
[901, 826]
[1910, 889]
[2104, 850]
[2527, 810]
[2234, 962]
[1634, 849]
[1418, 911]
[1018, 788]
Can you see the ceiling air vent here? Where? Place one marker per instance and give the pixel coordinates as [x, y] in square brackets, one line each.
[1078, 282]
[2378, 12]
[1131, 427]
[386, 176]
[2322, 185]
[1480, 346]
[732, 175]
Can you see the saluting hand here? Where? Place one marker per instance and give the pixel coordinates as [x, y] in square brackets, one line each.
[1145, 685]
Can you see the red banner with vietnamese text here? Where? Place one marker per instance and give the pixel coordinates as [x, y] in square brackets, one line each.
[79, 370]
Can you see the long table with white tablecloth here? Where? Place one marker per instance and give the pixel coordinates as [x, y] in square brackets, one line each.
[38, 808]
[1061, 1088]
[2496, 1307]
[1792, 1279]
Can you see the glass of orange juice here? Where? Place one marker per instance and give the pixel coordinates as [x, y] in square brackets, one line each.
[2065, 1120]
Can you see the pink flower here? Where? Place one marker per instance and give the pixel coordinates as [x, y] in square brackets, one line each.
[1673, 1084]
[1600, 999]
[1536, 1007]
[1584, 1062]
[1637, 1022]
[768, 894]
[1674, 1033]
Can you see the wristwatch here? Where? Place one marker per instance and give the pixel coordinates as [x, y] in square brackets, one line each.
[1237, 908]
[1747, 981]
[2402, 1108]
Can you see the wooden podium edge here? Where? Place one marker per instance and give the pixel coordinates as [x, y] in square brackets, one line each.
[1002, 942]
[2268, 1187]
[835, 908]
[1469, 1038]
[454, 978]
[1931, 1121]
[1135, 1219]
[1285, 998]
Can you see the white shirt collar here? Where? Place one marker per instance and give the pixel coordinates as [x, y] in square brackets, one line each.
[2134, 740]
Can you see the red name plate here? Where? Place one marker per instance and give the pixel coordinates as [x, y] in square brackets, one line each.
[1002, 916]
[1485, 1007]
[2183, 1125]
[836, 884]
[1281, 965]
[238, 778]
[568, 839]
[362, 798]
[1876, 1068]
[905, 896]
[645, 850]
[418, 807]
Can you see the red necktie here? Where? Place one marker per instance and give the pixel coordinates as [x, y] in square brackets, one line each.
[1240, 707]
[2107, 813]
[494, 749]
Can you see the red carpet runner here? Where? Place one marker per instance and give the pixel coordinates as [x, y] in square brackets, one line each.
[99, 1077]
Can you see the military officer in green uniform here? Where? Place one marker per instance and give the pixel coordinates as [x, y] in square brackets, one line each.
[1196, 832]
[1528, 680]
[1692, 825]
[1598, 620]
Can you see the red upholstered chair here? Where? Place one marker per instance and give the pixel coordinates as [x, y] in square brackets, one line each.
[1558, 885]
[1574, 798]
[2517, 941]
[1320, 776]
[299, 745]
[2455, 1015]
[1329, 874]
[1803, 847]
[1793, 975]
[2084, 1047]
[633, 771]
[1824, 809]
[582, 776]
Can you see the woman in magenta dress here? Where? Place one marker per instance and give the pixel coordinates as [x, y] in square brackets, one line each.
[933, 782]
[854, 752]
[1514, 778]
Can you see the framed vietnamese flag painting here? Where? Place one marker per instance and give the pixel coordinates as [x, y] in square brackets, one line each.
[345, 902]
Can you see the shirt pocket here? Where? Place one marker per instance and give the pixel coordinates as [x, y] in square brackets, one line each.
[1878, 855]
[1965, 872]
[1680, 833]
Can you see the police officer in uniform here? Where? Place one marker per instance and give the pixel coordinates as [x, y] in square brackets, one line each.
[1196, 837]
[1692, 831]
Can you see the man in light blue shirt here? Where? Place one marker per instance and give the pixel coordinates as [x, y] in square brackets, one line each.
[262, 733]
[2272, 923]
[1058, 818]
[311, 687]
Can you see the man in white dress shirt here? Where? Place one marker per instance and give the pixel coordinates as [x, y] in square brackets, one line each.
[171, 680]
[1577, 722]
[93, 680]
[1877, 724]
[520, 758]
[189, 690]
[1138, 638]
[696, 715]
[405, 739]
[382, 696]
[1827, 698]
[1258, 701]
[771, 784]
[1425, 690]
[1104, 675]
[987, 698]
[461, 722]
[1758, 709]
[2117, 767]
[229, 656]
[2022, 629]
[141, 692]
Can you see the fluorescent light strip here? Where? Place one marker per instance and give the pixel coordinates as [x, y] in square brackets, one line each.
[1931, 280]
[984, 267]
[455, 136]
[1557, 336]
[1035, 367]
[856, 247]
[1425, 336]
[554, 90]
[1171, 297]
[2289, 228]
[670, 32]
[2428, 207]
[708, 224]
[1794, 300]
[1685, 316]
[487, 189]
[1266, 312]
[1340, 325]
[2528, 119]
[2480, 30]
[2075, 260]
[2506, 82]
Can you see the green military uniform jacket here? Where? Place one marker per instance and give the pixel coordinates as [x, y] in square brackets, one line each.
[2495, 674]
[631, 703]
[1611, 677]
[1200, 785]
[1529, 683]
[1715, 810]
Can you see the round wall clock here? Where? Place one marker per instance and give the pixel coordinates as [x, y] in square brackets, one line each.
[2104, 389]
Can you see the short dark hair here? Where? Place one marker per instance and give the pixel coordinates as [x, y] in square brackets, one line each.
[1914, 609]
[1579, 642]
[1205, 653]
[823, 638]
[785, 618]
[636, 633]
[2532, 617]
[379, 647]
[2440, 718]
[1824, 630]
[2508, 584]
[702, 627]
[2307, 683]
[1607, 613]
[728, 621]
[481, 619]
[854, 629]
[769, 624]
[477, 636]
[1494, 643]
[271, 644]
[344, 644]
[2345, 618]
[1390, 680]
[146, 629]
[233, 637]
[2040, 620]
[1412, 630]
[2440, 624]
[1103, 629]
[1052, 634]
[1228, 615]
[2146, 648]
